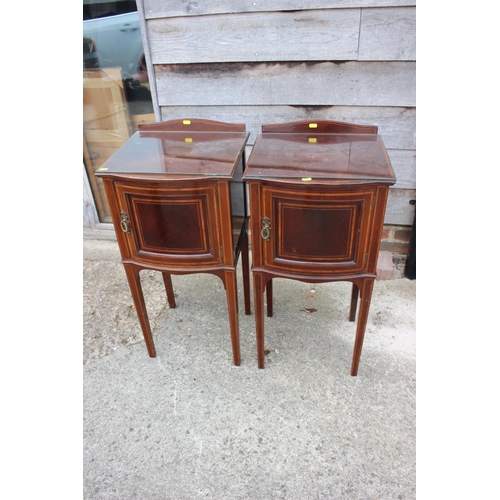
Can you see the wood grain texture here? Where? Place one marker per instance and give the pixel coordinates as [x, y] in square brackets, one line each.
[271, 36]
[176, 8]
[308, 35]
[404, 165]
[388, 34]
[321, 83]
[399, 211]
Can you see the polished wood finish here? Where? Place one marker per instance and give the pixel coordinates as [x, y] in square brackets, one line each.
[318, 126]
[169, 191]
[318, 192]
[195, 124]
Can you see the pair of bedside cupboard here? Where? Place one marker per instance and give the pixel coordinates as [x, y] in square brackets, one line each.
[317, 198]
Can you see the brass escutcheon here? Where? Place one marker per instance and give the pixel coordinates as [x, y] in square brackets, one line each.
[266, 228]
[124, 223]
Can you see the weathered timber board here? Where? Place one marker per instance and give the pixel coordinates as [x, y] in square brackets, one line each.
[271, 36]
[174, 8]
[399, 211]
[388, 34]
[319, 83]
[308, 35]
[404, 164]
[396, 125]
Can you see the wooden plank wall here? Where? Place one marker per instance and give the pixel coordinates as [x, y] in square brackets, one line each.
[273, 61]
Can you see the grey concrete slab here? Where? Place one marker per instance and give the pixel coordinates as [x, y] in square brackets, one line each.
[188, 424]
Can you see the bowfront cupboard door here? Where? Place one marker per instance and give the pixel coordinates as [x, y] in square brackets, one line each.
[316, 231]
[170, 224]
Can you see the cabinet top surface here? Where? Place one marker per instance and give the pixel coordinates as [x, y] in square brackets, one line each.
[178, 153]
[319, 157]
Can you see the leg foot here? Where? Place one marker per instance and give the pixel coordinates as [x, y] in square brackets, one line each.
[246, 273]
[354, 302]
[258, 287]
[366, 295]
[232, 306]
[167, 280]
[134, 282]
[269, 298]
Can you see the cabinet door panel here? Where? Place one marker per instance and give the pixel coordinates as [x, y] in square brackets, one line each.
[317, 231]
[172, 225]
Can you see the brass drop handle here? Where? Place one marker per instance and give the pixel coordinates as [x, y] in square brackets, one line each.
[124, 223]
[266, 228]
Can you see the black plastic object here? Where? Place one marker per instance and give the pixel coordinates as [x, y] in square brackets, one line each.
[411, 258]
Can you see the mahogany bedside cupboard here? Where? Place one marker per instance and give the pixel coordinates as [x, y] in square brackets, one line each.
[318, 193]
[177, 209]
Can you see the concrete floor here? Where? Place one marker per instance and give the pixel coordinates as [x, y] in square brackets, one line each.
[188, 424]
